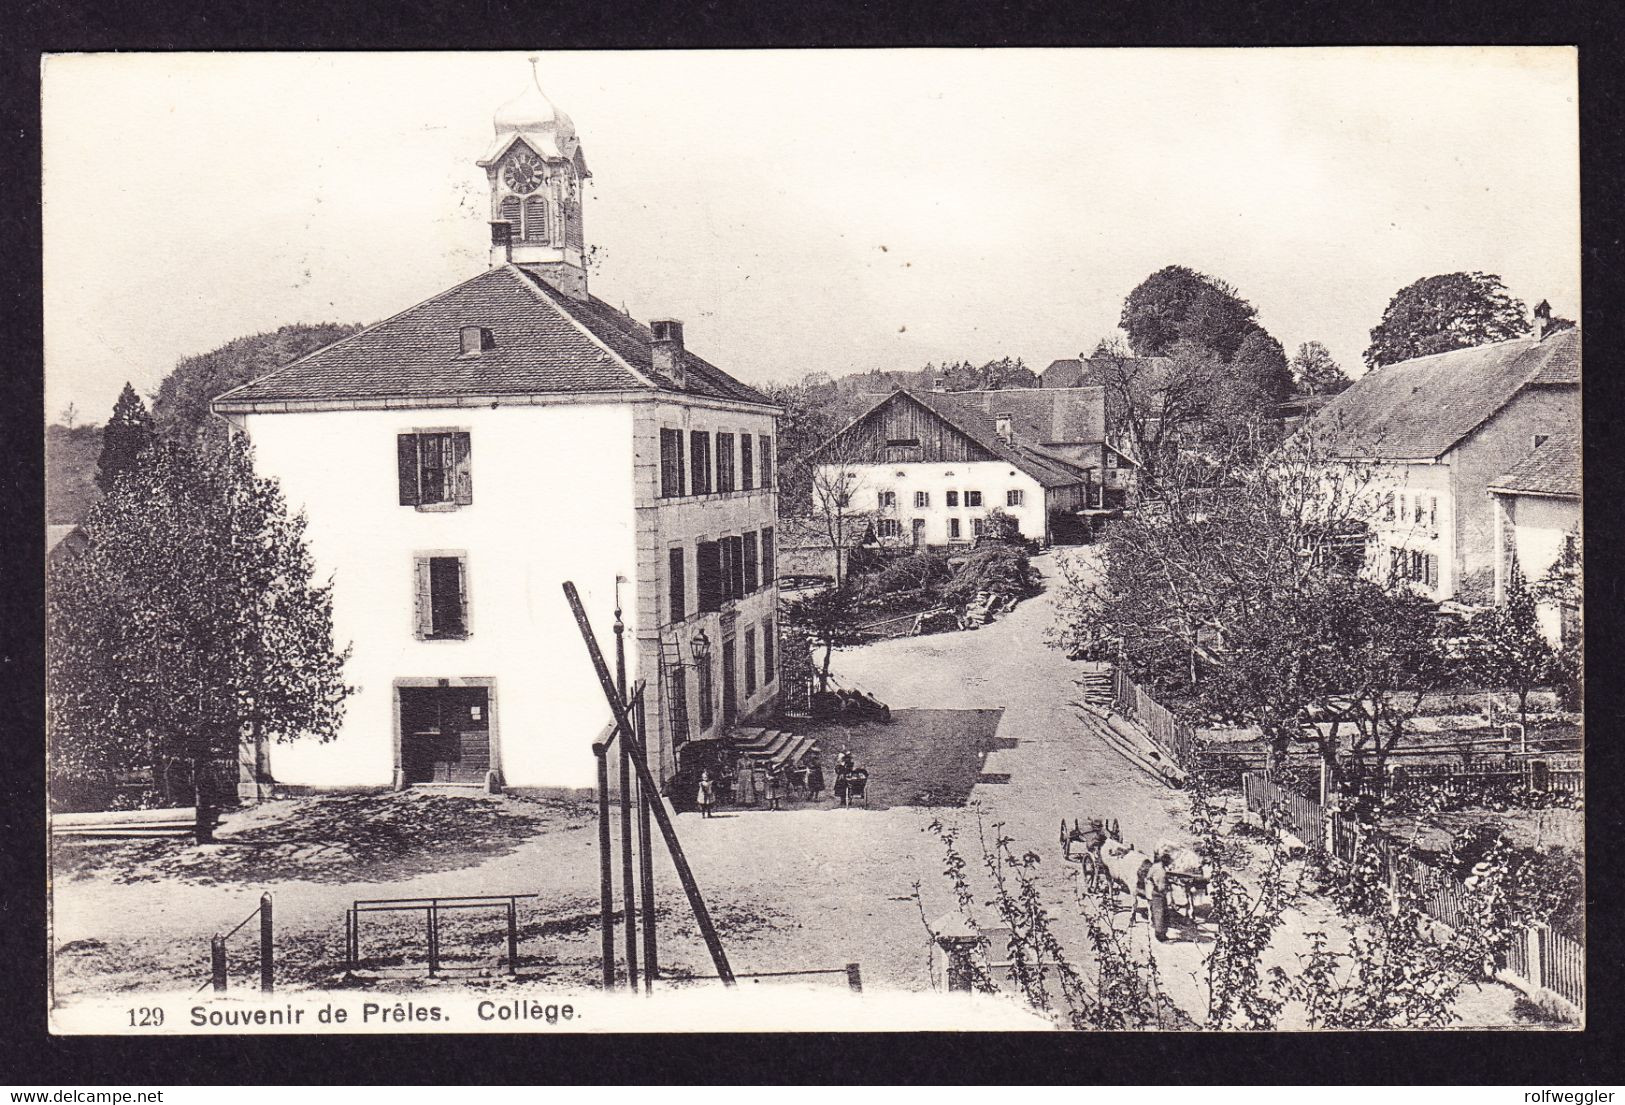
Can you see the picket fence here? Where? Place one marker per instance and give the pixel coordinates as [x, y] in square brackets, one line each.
[1535, 774]
[1541, 958]
[1176, 740]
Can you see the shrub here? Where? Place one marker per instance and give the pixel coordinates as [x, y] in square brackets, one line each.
[916, 572]
[1001, 569]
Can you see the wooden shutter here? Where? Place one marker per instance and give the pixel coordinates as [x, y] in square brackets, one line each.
[747, 463]
[767, 557]
[536, 219]
[509, 212]
[423, 603]
[406, 467]
[1433, 570]
[767, 462]
[462, 592]
[675, 584]
[750, 562]
[462, 469]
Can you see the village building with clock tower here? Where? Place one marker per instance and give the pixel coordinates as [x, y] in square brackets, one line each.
[462, 459]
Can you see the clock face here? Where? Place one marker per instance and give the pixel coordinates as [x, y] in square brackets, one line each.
[523, 173]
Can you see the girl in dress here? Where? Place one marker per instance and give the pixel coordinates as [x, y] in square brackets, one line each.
[708, 793]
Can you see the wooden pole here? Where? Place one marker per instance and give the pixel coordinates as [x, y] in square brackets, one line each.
[606, 872]
[702, 916]
[266, 962]
[217, 962]
[651, 964]
[629, 886]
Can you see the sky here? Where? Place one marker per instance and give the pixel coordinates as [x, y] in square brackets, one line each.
[802, 211]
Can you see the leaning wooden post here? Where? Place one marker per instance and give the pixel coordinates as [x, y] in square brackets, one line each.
[668, 832]
[629, 888]
[266, 961]
[651, 968]
[606, 872]
[217, 962]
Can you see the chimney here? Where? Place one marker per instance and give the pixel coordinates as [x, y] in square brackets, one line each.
[1006, 431]
[1543, 319]
[667, 349]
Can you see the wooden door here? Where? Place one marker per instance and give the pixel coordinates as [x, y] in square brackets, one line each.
[445, 734]
[730, 703]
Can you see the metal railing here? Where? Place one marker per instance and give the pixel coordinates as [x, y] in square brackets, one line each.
[432, 909]
[217, 950]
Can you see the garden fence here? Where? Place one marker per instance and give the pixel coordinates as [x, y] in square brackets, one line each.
[1534, 953]
[1173, 738]
[1533, 774]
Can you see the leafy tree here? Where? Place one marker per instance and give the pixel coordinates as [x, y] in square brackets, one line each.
[1314, 372]
[1440, 313]
[1507, 647]
[127, 435]
[181, 408]
[829, 619]
[190, 623]
[1177, 304]
[1260, 373]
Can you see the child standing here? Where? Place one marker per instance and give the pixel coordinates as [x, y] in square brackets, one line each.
[708, 793]
[773, 785]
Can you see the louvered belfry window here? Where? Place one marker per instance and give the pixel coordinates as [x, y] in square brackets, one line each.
[536, 219]
[509, 212]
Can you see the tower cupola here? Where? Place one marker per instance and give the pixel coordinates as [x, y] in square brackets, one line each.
[535, 169]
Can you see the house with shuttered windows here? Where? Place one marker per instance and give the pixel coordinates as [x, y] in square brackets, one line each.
[458, 461]
[1432, 435]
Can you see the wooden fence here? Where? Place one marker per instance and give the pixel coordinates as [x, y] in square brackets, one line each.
[1173, 738]
[1534, 774]
[1535, 954]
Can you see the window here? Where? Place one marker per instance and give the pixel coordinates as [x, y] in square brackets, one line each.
[474, 340]
[707, 708]
[885, 500]
[751, 578]
[671, 464]
[766, 453]
[1432, 579]
[922, 498]
[1540, 439]
[699, 455]
[1420, 513]
[725, 462]
[434, 468]
[731, 567]
[888, 527]
[708, 575]
[978, 527]
[770, 652]
[767, 557]
[442, 598]
[1388, 507]
[679, 704]
[973, 498]
[536, 219]
[675, 584]
[953, 528]
[747, 463]
[1014, 497]
[953, 498]
[1433, 511]
[750, 662]
[1111, 460]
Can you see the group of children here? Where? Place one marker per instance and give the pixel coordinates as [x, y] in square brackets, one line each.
[747, 781]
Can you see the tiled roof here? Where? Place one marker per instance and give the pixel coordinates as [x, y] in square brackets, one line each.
[1552, 469]
[545, 343]
[1420, 409]
[1054, 415]
[976, 424]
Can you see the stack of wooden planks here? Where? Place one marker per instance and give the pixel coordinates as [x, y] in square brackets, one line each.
[126, 824]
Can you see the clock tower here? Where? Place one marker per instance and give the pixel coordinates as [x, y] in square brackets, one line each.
[535, 169]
